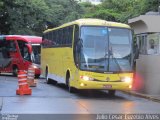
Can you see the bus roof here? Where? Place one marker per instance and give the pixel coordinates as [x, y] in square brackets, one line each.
[26, 38]
[92, 22]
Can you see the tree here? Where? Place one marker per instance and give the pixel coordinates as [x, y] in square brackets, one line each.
[62, 11]
[120, 10]
[4, 25]
[27, 17]
[31, 16]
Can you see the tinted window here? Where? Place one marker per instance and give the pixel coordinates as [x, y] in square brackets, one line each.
[70, 32]
[47, 40]
[24, 50]
[12, 46]
[4, 53]
[59, 37]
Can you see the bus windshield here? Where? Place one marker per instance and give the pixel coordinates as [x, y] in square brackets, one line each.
[105, 49]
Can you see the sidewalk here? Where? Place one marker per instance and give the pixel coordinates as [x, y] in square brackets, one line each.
[155, 98]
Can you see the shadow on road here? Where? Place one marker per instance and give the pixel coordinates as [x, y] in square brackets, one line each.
[90, 94]
[6, 75]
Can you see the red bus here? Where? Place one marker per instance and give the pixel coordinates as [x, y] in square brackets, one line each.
[17, 52]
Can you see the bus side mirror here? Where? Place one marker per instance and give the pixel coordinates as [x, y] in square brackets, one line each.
[136, 52]
[29, 48]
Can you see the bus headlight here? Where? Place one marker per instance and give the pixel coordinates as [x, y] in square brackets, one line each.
[87, 78]
[126, 79]
[34, 66]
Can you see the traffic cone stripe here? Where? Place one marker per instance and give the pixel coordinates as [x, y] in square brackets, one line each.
[30, 74]
[22, 79]
[23, 75]
[31, 71]
[23, 83]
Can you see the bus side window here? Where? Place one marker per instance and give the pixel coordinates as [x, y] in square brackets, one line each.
[76, 34]
[66, 35]
[12, 46]
[57, 37]
[61, 36]
[47, 40]
[53, 39]
[21, 45]
[44, 41]
[50, 39]
[4, 53]
[70, 30]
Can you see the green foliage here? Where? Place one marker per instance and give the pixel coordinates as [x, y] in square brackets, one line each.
[104, 14]
[120, 10]
[26, 17]
[30, 16]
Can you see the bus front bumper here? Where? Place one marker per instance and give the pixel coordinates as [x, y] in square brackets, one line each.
[104, 85]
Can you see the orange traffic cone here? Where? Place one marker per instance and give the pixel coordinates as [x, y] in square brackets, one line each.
[22, 83]
[30, 77]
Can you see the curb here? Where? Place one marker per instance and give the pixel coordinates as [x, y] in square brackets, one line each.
[142, 96]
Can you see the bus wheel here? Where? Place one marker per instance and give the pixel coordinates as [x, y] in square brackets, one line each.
[46, 77]
[70, 89]
[111, 92]
[15, 71]
[37, 76]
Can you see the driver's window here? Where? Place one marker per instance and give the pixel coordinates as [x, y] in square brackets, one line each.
[24, 50]
[26, 53]
[12, 46]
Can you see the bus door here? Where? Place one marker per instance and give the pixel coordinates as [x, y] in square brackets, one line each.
[36, 51]
[24, 55]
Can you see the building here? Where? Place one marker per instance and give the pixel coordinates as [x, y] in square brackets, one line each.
[147, 30]
[95, 2]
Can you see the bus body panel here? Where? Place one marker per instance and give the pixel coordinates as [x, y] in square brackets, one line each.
[60, 62]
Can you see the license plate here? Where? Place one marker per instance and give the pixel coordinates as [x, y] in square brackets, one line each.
[107, 86]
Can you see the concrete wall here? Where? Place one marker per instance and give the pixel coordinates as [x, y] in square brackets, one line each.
[145, 24]
[148, 67]
[139, 27]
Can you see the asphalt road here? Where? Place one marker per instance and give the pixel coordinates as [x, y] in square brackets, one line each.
[49, 99]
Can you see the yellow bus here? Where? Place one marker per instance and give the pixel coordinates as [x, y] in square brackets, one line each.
[89, 54]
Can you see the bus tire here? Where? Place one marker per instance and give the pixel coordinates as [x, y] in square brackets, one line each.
[15, 71]
[70, 88]
[37, 76]
[46, 77]
[111, 92]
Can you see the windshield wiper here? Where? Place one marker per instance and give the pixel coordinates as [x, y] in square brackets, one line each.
[115, 60]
